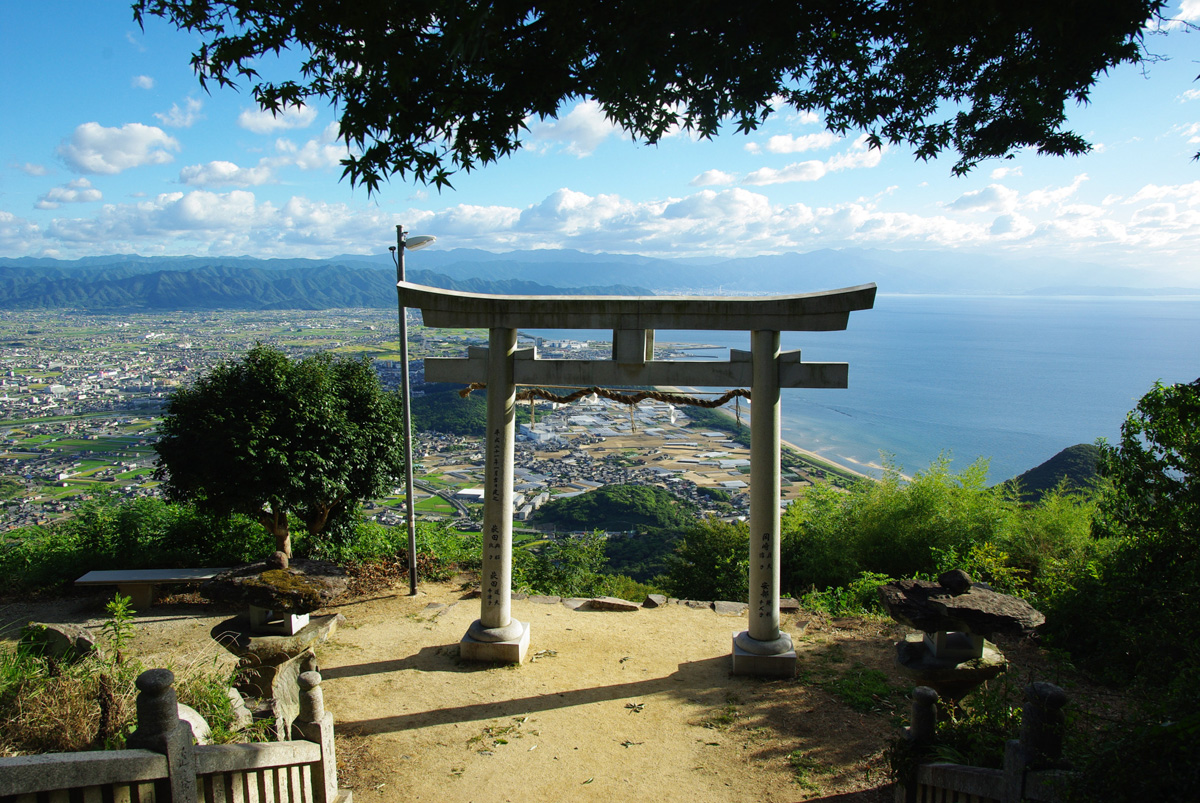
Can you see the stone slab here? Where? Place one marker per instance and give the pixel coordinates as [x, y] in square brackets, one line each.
[574, 603]
[654, 601]
[504, 652]
[726, 608]
[763, 666]
[608, 604]
[789, 605]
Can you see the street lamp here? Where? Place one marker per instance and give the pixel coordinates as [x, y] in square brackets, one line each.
[406, 243]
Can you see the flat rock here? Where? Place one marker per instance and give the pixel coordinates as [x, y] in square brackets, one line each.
[574, 603]
[789, 605]
[697, 604]
[303, 587]
[59, 641]
[726, 608]
[608, 604]
[201, 732]
[932, 607]
[654, 601]
[234, 635]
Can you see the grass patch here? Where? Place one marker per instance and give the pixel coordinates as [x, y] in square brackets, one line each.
[861, 688]
[806, 768]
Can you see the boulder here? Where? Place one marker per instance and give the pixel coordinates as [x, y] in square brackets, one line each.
[933, 607]
[654, 601]
[302, 587]
[201, 733]
[59, 641]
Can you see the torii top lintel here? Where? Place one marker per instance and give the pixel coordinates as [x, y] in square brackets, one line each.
[827, 310]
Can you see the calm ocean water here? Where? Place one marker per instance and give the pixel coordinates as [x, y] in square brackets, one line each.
[1010, 379]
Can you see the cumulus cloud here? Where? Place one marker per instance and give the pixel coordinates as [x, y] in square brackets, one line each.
[992, 198]
[30, 169]
[263, 122]
[177, 117]
[316, 154]
[1190, 94]
[580, 132]
[96, 149]
[142, 82]
[18, 236]
[224, 174]
[713, 178]
[78, 191]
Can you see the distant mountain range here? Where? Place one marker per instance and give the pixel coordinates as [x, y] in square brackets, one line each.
[123, 281]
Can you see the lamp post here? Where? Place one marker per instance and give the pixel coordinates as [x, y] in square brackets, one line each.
[403, 243]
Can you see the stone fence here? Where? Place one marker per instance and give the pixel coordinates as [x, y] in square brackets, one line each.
[163, 765]
[1031, 763]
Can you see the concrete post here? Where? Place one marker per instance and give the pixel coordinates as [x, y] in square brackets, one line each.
[495, 635]
[316, 725]
[762, 649]
[160, 729]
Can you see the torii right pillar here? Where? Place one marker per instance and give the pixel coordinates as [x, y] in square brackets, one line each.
[763, 649]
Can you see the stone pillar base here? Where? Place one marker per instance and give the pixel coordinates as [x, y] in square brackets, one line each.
[263, 620]
[505, 652]
[779, 665]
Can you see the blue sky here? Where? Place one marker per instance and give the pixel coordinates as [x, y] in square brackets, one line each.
[109, 145]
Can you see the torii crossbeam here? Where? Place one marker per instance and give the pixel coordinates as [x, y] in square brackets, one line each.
[762, 649]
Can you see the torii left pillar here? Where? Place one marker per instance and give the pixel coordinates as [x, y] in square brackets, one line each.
[495, 635]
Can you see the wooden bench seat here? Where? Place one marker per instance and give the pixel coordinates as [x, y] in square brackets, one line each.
[140, 584]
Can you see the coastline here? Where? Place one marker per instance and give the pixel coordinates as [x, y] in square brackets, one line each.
[787, 445]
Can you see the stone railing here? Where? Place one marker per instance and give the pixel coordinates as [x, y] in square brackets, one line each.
[1030, 763]
[163, 765]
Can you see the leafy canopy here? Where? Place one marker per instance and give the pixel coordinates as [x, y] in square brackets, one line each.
[266, 436]
[429, 87]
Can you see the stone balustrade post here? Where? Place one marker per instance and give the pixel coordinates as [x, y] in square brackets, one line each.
[923, 723]
[1042, 724]
[316, 725]
[160, 729]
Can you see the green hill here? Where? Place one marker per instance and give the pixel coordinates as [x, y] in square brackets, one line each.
[619, 507]
[1075, 464]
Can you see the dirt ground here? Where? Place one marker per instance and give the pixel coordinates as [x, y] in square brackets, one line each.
[634, 706]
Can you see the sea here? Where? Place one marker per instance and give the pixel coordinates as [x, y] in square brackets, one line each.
[1011, 380]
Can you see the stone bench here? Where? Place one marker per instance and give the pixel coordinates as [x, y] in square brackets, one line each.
[140, 584]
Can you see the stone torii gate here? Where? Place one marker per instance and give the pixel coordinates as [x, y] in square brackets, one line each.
[762, 649]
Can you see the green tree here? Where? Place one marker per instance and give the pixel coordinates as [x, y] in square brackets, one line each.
[429, 87]
[711, 561]
[267, 436]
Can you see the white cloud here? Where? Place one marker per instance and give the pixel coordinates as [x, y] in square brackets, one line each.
[992, 198]
[31, 169]
[263, 122]
[581, 131]
[1189, 10]
[1189, 193]
[1190, 94]
[1004, 172]
[224, 174]
[78, 191]
[713, 178]
[786, 143]
[316, 154]
[18, 236]
[797, 171]
[176, 117]
[96, 149]
[1189, 130]
[1049, 197]
[860, 154]
[142, 82]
